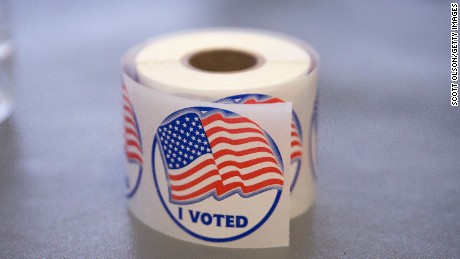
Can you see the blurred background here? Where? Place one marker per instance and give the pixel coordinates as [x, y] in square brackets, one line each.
[389, 168]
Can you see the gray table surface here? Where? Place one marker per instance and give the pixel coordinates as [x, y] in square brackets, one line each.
[389, 177]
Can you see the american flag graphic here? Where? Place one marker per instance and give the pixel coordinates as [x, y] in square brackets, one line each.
[216, 154]
[133, 148]
[296, 141]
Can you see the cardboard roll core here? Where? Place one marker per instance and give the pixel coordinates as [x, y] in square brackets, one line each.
[222, 60]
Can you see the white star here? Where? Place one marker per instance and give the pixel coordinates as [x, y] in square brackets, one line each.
[191, 157]
[184, 124]
[170, 126]
[176, 128]
[200, 127]
[170, 165]
[196, 118]
[201, 148]
[202, 135]
[199, 140]
[207, 149]
[187, 118]
[191, 128]
[187, 134]
[177, 122]
[193, 137]
[198, 153]
[194, 123]
[182, 131]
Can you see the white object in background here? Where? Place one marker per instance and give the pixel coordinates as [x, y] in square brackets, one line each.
[6, 69]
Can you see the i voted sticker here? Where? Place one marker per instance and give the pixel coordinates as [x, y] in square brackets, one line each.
[218, 175]
[133, 145]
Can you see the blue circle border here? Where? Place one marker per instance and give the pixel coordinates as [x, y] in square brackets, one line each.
[134, 190]
[314, 127]
[217, 240]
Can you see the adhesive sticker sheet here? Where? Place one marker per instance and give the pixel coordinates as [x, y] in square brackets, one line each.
[220, 135]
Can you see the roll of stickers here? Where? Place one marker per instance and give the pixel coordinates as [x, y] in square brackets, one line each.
[220, 135]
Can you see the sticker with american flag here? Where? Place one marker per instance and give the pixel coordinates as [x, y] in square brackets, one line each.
[219, 175]
[296, 130]
[217, 154]
[133, 145]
